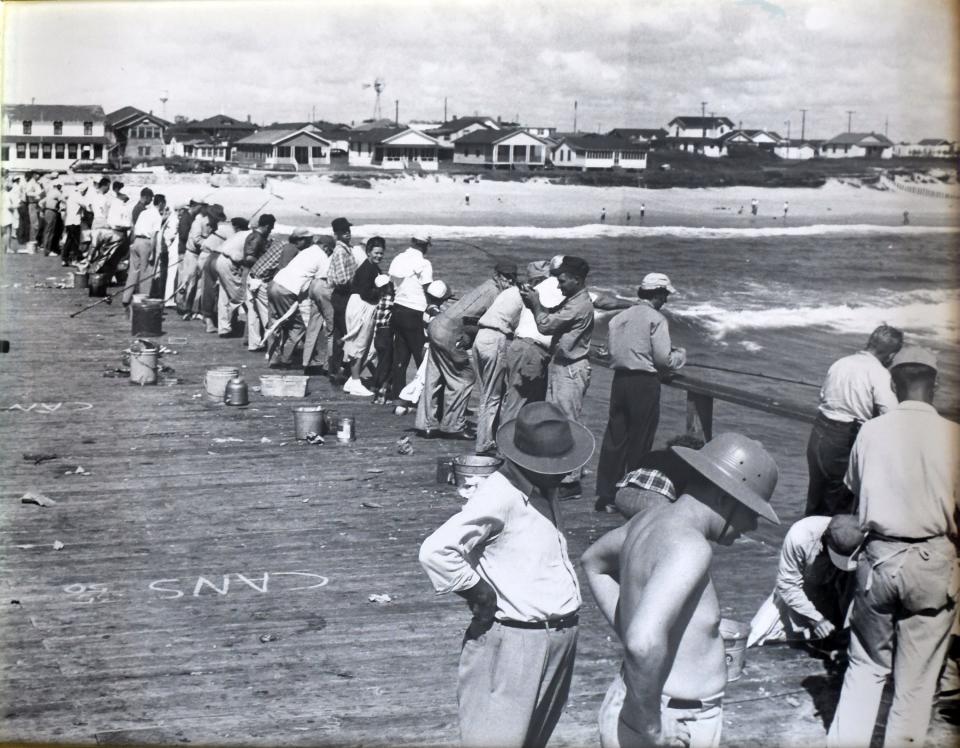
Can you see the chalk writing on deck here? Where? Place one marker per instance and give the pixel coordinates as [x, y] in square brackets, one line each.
[221, 585]
[47, 408]
[89, 593]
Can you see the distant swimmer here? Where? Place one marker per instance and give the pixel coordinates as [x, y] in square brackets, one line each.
[786, 207]
[754, 206]
[603, 215]
[740, 211]
[643, 211]
[906, 217]
[628, 216]
[466, 199]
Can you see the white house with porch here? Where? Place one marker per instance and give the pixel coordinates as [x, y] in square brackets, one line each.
[394, 148]
[598, 152]
[926, 148]
[857, 144]
[303, 149]
[699, 127]
[52, 136]
[495, 148]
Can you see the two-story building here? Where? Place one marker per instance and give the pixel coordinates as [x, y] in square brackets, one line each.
[594, 151]
[453, 130]
[43, 137]
[857, 145]
[699, 127]
[137, 134]
[394, 148]
[219, 128]
[302, 149]
[501, 148]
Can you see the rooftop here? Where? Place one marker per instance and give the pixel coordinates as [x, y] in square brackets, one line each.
[54, 112]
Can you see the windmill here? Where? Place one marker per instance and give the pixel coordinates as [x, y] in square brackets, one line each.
[378, 85]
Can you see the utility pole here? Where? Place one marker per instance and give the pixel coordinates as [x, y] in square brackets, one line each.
[850, 113]
[803, 125]
[444, 108]
[703, 117]
[574, 116]
[396, 112]
[787, 123]
[886, 126]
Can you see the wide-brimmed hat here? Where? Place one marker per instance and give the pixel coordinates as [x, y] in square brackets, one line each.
[505, 267]
[340, 225]
[542, 439]
[656, 281]
[301, 232]
[843, 537]
[740, 466]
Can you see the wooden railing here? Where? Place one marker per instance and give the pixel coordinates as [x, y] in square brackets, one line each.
[701, 394]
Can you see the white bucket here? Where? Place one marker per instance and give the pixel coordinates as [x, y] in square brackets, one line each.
[143, 366]
[217, 378]
[734, 636]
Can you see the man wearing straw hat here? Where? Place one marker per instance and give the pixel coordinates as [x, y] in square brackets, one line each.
[904, 473]
[651, 580]
[505, 553]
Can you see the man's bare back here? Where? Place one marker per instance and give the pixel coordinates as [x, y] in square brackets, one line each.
[660, 549]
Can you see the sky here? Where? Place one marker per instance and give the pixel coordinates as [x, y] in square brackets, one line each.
[894, 63]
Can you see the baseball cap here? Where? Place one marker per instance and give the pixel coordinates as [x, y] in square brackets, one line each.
[438, 289]
[340, 225]
[843, 538]
[915, 354]
[300, 232]
[656, 281]
[505, 267]
[538, 269]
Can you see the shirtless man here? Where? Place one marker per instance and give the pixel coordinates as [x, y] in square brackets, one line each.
[651, 580]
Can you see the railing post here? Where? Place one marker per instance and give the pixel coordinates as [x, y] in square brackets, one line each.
[700, 415]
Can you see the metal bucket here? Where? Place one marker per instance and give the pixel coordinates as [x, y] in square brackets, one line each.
[144, 366]
[146, 317]
[309, 419]
[734, 636]
[347, 429]
[80, 280]
[467, 468]
[97, 284]
[217, 378]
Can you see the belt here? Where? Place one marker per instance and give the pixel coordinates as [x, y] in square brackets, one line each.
[554, 623]
[569, 361]
[691, 703]
[872, 535]
[846, 425]
[142, 236]
[541, 346]
[509, 335]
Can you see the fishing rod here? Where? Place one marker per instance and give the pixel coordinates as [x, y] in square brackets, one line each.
[487, 252]
[754, 374]
[304, 208]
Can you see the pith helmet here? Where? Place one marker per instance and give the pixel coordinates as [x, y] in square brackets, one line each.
[740, 466]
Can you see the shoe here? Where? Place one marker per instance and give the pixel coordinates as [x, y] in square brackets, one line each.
[402, 410]
[464, 435]
[425, 433]
[278, 365]
[355, 387]
[379, 400]
[209, 326]
[569, 491]
[604, 505]
[310, 371]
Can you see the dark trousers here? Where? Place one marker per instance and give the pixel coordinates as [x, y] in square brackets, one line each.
[383, 345]
[159, 285]
[50, 232]
[210, 287]
[291, 333]
[71, 246]
[828, 453]
[408, 340]
[23, 227]
[634, 415]
[338, 300]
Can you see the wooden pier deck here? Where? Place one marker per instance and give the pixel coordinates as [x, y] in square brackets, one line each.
[214, 578]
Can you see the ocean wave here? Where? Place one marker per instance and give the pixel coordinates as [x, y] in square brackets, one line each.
[600, 230]
[931, 314]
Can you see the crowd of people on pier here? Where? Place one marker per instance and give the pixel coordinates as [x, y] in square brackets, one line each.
[870, 570]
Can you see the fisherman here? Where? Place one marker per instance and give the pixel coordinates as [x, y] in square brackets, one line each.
[143, 249]
[662, 476]
[361, 308]
[229, 268]
[146, 199]
[203, 220]
[343, 264]
[287, 289]
[113, 239]
[754, 207]
[857, 388]
[261, 273]
[651, 580]
[449, 376]
[97, 204]
[814, 585]
[187, 260]
[72, 220]
[383, 339]
[31, 192]
[638, 340]
[320, 328]
[209, 279]
[410, 272]
[903, 469]
[50, 204]
[505, 553]
[571, 326]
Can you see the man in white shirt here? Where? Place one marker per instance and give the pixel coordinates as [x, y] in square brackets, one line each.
[229, 269]
[505, 553]
[814, 582]
[287, 289]
[410, 272]
[904, 470]
[113, 239]
[143, 249]
[856, 389]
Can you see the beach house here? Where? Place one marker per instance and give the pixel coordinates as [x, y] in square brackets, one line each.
[699, 127]
[136, 133]
[501, 148]
[594, 151]
[926, 148]
[301, 149]
[180, 143]
[42, 137]
[648, 136]
[798, 150]
[857, 144]
[394, 148]
[456, 128]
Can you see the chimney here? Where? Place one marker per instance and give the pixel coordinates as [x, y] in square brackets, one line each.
[151, 112]
[249, 121]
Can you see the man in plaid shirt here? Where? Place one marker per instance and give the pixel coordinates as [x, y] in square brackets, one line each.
[261, 273]
[662, 476]
[343, 265]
